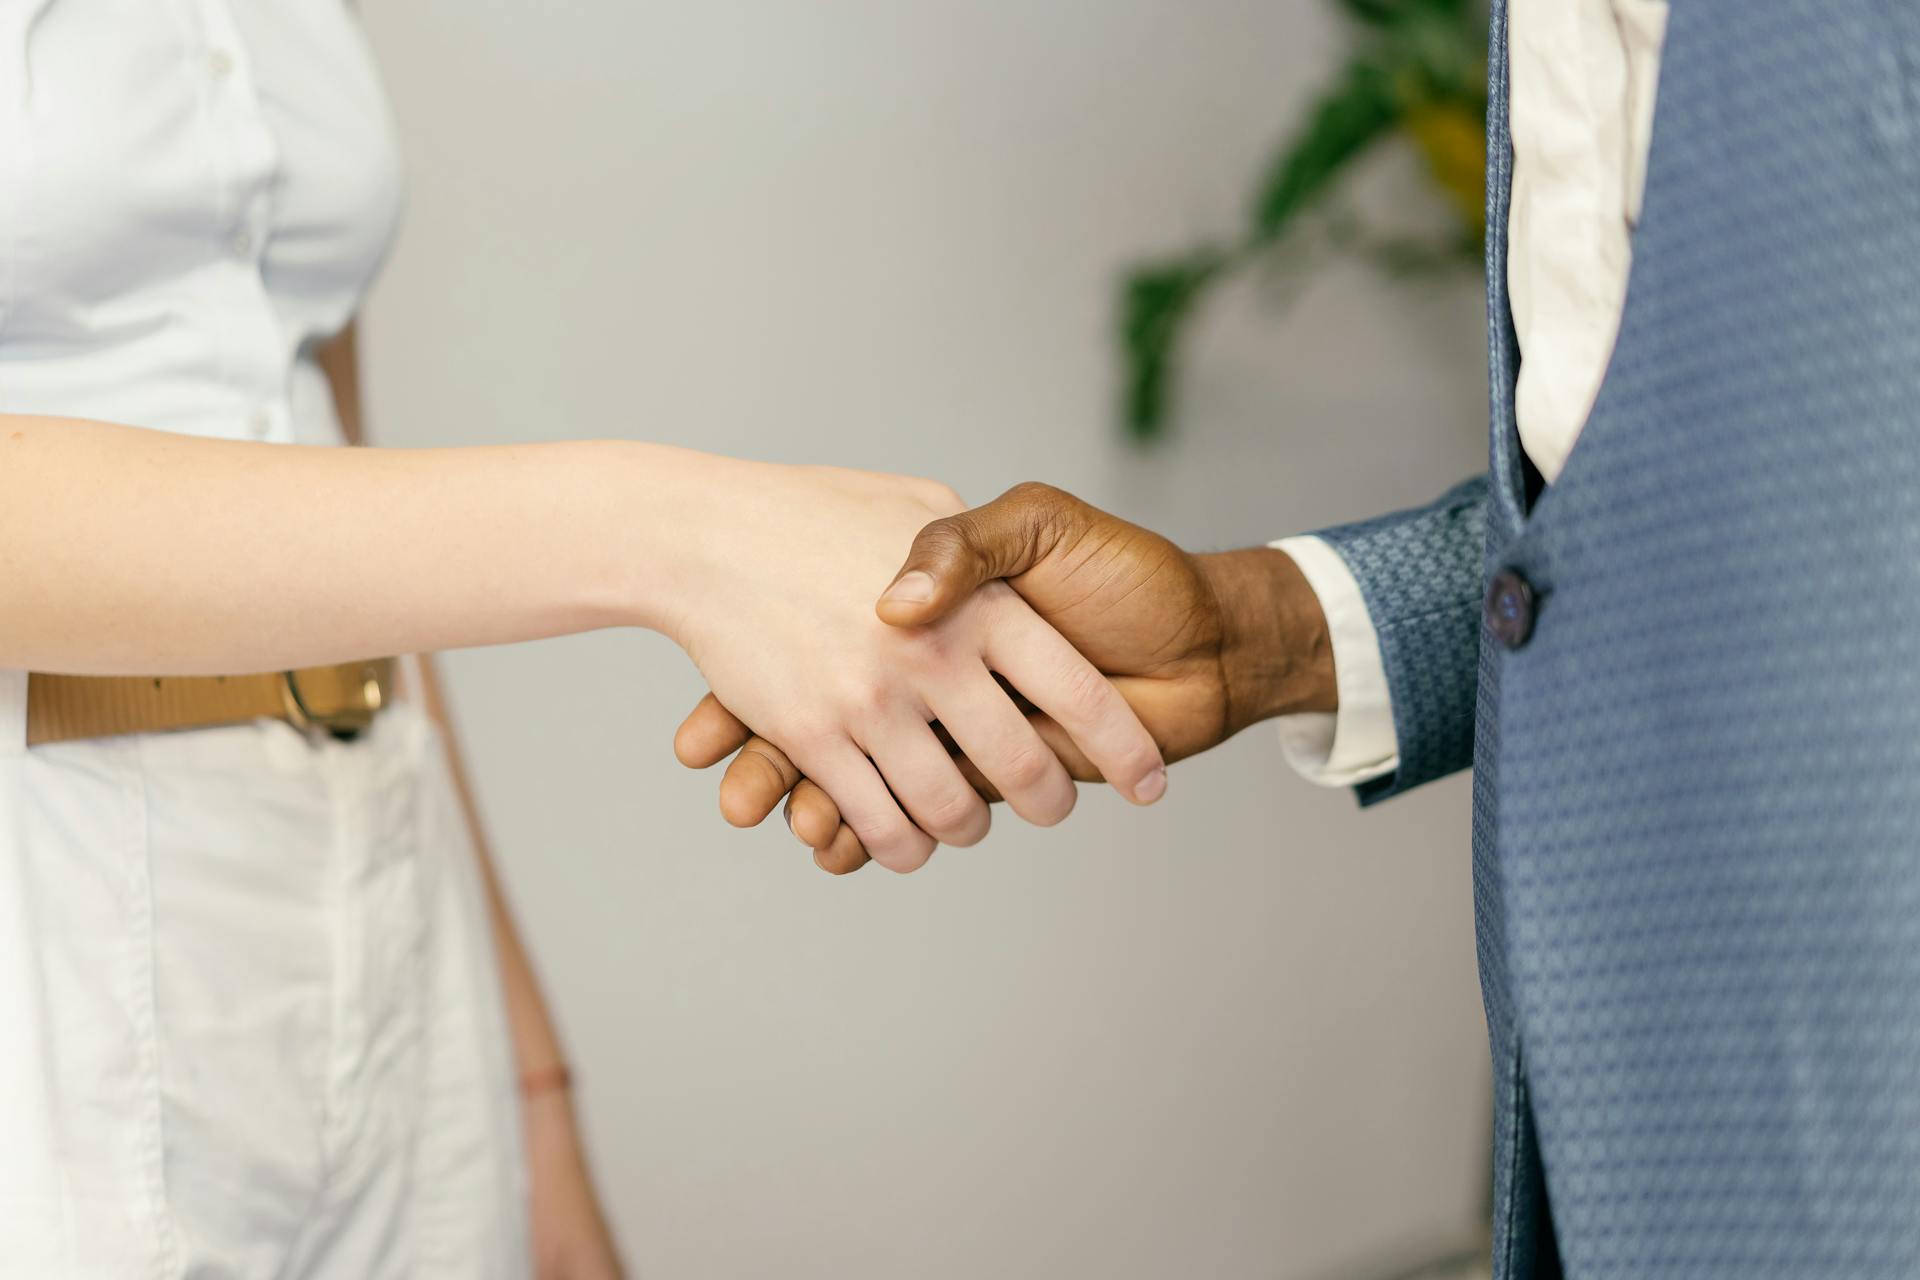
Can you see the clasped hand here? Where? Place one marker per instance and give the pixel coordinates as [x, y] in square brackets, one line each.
[786, 636]
[1076, 610]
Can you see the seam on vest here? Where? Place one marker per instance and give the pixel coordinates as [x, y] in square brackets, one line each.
[1505, 1269]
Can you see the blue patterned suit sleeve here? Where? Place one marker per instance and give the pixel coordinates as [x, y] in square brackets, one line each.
[1420, 574]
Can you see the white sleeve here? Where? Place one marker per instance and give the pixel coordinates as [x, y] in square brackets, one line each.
[1357, 743]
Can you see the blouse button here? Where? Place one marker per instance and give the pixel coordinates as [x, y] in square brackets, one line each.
[259, 424]
[220, 64]
[241, 244]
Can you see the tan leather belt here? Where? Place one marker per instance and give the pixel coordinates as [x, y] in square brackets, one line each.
[342, 699]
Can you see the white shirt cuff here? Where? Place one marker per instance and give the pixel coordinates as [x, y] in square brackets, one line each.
[1357, 743]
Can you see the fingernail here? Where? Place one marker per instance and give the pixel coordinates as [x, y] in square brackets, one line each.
[911, 588]
[1151, 787]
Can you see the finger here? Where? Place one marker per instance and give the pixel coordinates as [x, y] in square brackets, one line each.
[845, 854]
[812, 815]
[968, 770]
[953, 556]
[990, 730]
[923, 779]
[1054, 676]
[814, 818]
[1077, 766]
[868, 808]
[754, 783]
[708, 735]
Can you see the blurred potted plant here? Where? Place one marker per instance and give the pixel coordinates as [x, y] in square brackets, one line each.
[1417, 73]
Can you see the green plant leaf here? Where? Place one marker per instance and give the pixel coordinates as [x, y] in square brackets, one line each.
[1346, 120]
[1155, 302]
[1421, 69]
[1157, 299]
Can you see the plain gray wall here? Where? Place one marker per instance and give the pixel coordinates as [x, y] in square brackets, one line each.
[1237, 1035]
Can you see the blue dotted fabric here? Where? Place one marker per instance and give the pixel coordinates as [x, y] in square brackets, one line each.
[1697, 801]
[1420, 573]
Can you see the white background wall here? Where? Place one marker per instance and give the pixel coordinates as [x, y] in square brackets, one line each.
[1237, 1035]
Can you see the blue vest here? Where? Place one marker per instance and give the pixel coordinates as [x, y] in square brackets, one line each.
[1696, 803]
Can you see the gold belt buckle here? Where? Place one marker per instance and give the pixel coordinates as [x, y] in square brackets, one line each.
[342, 699]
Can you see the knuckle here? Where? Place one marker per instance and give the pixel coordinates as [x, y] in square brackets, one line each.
[942, 541]
[1026, 766]
[929, 648]
[973, 833]
[769, 762]
[1033, 493]
[812, 827]
[889, 840]
[909, 860]
[837, 862]
[954, 815]
[899, 845]
[1087, 691]
[809, 730]
[810, 798]
[867, 698]
[997, 611]
[1052, 809]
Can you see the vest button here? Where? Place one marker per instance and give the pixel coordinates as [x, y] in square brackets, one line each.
[1509, 609]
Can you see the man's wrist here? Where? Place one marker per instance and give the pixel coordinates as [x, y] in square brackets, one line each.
[1276, 655]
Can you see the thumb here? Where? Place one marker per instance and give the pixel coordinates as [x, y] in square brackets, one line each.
[953, 557]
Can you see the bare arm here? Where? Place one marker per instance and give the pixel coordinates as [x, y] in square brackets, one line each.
[130, 552]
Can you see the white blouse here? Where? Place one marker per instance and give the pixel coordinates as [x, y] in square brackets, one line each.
[194, 196]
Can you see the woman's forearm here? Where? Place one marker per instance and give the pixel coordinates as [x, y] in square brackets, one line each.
[133, 552]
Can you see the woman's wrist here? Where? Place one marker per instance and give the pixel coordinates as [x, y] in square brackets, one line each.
[668, 529]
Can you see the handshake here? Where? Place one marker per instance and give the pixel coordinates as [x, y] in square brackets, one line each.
[1023, 644]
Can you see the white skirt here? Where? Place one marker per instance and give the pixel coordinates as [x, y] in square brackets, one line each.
[250, 1018]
